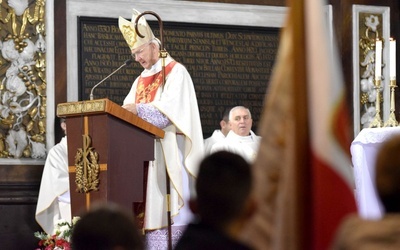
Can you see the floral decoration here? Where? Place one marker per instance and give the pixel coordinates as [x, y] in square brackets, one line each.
[61, 239]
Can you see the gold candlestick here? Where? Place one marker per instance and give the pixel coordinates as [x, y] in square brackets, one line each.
[392, 122]
[377, 122]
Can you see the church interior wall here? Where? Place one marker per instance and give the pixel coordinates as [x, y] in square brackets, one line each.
[19, 183]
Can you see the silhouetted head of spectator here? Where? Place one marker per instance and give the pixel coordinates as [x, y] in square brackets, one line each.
[388, 174]
[106, 227]
[223, 189]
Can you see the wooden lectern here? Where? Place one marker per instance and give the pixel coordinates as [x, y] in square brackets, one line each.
[108, 147]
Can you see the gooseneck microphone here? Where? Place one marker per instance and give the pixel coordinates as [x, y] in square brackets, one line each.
[127, 62]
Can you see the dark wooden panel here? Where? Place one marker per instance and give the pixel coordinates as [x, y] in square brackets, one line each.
[17, 212]
[123, 148]
[60, 60]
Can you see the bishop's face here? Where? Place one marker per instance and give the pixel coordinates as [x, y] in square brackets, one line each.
[147, 55]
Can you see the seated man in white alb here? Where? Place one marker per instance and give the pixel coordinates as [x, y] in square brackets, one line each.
[218, 134]
[54, 197]
[240, 139]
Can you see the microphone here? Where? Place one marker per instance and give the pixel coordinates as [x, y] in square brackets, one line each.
[127, 62]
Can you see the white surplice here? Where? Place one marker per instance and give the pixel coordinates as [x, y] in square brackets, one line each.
[54, 197]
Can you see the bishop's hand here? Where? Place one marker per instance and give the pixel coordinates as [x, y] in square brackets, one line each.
[131, 107]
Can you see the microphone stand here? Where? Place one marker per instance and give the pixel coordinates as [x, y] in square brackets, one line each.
[163, 55]
[127, 62]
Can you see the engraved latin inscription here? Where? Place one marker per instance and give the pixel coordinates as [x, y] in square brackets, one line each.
[103, 50]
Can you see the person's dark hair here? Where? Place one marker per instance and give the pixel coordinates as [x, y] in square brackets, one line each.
[106, 227]
[223, 186]
[225, 115]
[388, 174]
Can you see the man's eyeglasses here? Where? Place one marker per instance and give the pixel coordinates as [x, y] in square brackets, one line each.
[139, 52]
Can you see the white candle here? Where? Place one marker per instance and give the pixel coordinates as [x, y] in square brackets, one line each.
[378, 59]
[392, 71]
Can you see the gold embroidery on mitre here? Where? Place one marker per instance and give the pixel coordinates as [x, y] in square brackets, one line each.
[129, 33]
[130, 36]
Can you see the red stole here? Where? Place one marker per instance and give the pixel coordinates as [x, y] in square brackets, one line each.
[147, 86]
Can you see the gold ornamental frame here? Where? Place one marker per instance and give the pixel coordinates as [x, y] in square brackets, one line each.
[369, 23]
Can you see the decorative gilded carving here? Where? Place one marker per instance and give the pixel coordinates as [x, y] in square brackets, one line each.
[87, 167]
[23, 79]
[92, 106]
